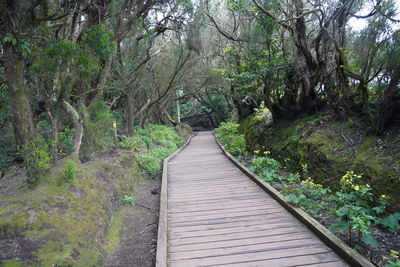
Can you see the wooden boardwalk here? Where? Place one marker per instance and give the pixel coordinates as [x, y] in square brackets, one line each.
[217, 216]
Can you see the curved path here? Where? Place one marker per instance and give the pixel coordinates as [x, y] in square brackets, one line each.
[217, 216]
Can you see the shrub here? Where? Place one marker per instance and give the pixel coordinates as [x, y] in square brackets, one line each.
[70, 171]
[65, 141]
[228, 135]
[161, 152]
[37, 156]
[127, 200]
[150, 164]
[260, 163]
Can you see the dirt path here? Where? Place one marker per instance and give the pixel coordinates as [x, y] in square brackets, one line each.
[139, 235]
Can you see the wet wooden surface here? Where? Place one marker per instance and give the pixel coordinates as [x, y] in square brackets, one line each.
[217, 216]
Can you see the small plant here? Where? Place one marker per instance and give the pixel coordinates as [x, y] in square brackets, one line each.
[260, 163]
[393, 260]
[37, 156]
[70, 171]
[127, 200]
[65, 141]
[391, 222]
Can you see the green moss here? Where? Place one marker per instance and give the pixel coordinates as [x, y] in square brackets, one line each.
[183, 130]
[318, 142]
[113, 236]
[11, 263]
[71, 223]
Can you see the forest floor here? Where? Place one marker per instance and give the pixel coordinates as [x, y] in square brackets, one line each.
[138, 243]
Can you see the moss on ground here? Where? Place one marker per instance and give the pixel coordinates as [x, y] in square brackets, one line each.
[76, 223]
[69, 221]
[11, 263]
[329, 148]
[113, 237]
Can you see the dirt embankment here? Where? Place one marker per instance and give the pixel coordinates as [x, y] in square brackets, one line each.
[60, 223]
[328, 148]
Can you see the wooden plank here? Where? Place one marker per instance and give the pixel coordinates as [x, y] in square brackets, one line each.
[243, 223]
[241, 242]
[241, 228]
[236, 236]
[225, 215]
[240, 257]
[324, 259]
[206, 213]
[230, 219]
[216, 252]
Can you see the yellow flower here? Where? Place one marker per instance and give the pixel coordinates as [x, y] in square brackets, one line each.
[267, 152]
[256, 151]
[394, 253]
[356, 187]
[383, 196]
[367, 185]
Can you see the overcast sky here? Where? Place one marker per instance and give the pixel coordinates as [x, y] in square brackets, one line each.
[359, 24]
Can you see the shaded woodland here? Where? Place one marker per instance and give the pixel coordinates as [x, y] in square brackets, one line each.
[83, 77]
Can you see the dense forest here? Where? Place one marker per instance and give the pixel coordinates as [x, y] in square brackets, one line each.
[316, 84]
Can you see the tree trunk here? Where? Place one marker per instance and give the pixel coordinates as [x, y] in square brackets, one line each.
[14, 71]
[131, 116]
[390, 102]
[130, 119]
[77, 123]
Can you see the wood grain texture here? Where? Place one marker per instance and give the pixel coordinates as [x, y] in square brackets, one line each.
[217, 216]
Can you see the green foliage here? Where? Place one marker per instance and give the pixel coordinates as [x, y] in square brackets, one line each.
[65, 141]
[350, 205]
[391, 222]
[9, 38]
[260, 163]
[98, 129]
[11, 263]
[7, 140]
[70, 171]
[37, 156]
[228, 134]
[153, 144]
[26, 48]
[127, 200]
[150, 164]
[161, 153]
[393, 260]
[100, 40]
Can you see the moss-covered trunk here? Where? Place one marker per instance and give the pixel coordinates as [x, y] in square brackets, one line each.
[14, 71]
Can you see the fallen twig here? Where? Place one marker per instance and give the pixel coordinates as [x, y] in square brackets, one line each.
[143, 206]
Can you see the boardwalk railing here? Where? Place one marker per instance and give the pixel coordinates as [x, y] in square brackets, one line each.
[342, 249]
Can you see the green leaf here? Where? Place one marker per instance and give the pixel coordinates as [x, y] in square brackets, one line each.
[391, 222]
[26, 50]
[9, 38]
[369, 239]
[339, 226]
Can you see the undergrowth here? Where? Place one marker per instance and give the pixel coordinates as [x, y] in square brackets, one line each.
[353, 208]
[151, 145]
